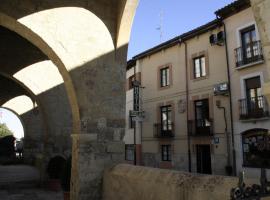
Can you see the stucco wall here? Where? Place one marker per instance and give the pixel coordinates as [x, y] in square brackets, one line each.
[126, 182]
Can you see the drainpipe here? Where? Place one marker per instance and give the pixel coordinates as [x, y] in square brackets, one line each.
[231, 111]
[135, 127]
[227, 135]
[187, 102]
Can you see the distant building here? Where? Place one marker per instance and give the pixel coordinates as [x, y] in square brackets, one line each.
[190, 110]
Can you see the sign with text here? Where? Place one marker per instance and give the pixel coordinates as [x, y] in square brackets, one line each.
[136, 95]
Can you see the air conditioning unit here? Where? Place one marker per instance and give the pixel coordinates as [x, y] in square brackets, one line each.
[221, 37]
[221, 89]
[217, 39]
[213, 39]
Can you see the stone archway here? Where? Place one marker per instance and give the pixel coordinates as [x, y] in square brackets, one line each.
[93, 72]
[23, 31]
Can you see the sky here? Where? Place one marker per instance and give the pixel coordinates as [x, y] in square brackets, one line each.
[12, 122]
[179, 16]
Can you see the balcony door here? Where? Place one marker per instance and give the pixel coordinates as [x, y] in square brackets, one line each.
[166, 119]
[202, 117]
[249, 44]
[254, 97]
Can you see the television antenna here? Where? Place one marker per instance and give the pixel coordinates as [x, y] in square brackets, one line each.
[160, 26]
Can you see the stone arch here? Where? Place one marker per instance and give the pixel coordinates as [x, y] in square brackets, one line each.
[17, 115]
[126, 17]
[88, 38]
[29, 35]
[34, 99]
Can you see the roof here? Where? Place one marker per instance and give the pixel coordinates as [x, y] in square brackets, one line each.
[131, 63]
[185, 36]
[232, 8]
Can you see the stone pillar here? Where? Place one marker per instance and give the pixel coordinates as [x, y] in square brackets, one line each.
[261, 10]
[102, 108]
[93, 156]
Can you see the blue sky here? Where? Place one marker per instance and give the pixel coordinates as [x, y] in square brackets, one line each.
[179, 16]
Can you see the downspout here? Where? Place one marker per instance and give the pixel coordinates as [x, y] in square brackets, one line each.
[187, 105]
[231, 111]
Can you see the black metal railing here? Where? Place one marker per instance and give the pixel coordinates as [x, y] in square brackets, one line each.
[249, 54]
[164, 130]
[201, 127]
[255, 107]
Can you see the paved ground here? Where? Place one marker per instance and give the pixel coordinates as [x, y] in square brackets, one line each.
[30, 194]
[18, 173]
[20, 182]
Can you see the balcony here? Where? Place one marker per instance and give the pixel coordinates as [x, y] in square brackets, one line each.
[248, 55]
[253, 108]
[202, 127]
[164, 131]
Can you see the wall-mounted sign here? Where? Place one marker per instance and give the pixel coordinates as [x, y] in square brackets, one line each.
[215, 140]
[136, 95]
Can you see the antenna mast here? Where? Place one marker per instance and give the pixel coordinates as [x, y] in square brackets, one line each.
[160, 27]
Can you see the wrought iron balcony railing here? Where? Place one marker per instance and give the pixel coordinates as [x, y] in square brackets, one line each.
[165, 130]
[201, 127]
[255, 107]
[251, 53]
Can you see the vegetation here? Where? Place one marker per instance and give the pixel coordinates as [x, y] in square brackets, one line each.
[4, 130]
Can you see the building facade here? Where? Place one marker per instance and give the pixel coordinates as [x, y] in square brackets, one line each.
[200, 93]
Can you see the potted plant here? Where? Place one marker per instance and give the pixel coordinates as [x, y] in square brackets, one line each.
[65, 180]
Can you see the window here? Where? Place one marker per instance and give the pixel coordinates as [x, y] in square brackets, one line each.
[165, 77]
[130, 81]
[248, 38]
[199, 67]
[254, 105]
[201, 112]
[250, 50]
[166, 151]
[202, 121]
[131, 122]
[166, 118]
[129, 152]
[256, 148]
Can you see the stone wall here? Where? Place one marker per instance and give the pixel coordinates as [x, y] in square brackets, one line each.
[127, 182]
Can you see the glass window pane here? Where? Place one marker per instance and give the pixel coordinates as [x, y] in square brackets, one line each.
[203, 66]
[253, 35]
[168, 77]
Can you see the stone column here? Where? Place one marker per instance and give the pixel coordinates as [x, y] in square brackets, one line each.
[261, 10]
[102, 108]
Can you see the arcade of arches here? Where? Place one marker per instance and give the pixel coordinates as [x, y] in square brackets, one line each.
[62, 69]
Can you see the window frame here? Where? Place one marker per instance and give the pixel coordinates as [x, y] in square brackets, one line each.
[166, 152]
[130, 81]
[200, 67]
[166, 70]
[129, 147]
[132, 123]
[168, 112]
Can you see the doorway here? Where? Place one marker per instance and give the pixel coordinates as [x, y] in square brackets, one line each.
[204, 159]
